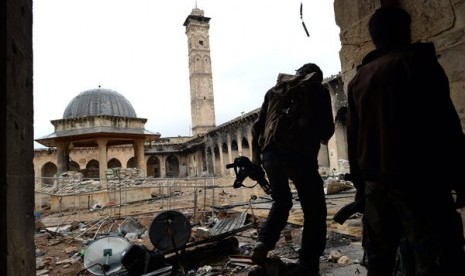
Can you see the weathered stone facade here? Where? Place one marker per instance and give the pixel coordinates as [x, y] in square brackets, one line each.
[99, 120]
[200, 72]
[437, 21]
[208, 151]
[201, 155]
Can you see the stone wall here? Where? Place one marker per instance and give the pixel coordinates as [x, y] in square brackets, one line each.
[17, 250]
[438, 21]
[99, 121]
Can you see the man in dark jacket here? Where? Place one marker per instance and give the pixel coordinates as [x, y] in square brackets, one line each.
[295, 117]
[403, 130]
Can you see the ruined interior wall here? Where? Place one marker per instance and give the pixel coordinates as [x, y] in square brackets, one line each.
[438, 21]
[17, 250]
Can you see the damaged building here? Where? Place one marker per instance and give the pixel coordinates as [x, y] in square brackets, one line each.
[210, 147]
[93, 137]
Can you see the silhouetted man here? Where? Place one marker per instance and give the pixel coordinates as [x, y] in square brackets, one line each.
[403, 131]
[295, 117]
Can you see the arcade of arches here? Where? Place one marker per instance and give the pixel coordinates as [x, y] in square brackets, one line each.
[203, 155]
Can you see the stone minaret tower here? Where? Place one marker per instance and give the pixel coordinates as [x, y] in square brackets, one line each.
[200, 72]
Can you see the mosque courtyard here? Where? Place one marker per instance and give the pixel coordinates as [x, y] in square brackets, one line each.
[63, 237]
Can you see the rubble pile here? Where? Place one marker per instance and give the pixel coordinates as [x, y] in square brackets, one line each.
[124, 177]
[337, 186]
[72, 182]
[220, 243]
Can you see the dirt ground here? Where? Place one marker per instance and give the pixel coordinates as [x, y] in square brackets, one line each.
[62, 252]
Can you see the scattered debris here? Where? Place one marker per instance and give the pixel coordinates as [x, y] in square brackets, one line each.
[333, 186]
[219, 243]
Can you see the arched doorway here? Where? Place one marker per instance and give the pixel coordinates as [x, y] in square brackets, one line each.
[153, 167]
[245, 147]
[234, 149]
[49, 170]
[172, 166]
[92, 170]
[131, 163]
[216, 150]
[114, 163]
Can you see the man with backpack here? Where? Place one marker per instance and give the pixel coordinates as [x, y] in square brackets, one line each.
[295, 118]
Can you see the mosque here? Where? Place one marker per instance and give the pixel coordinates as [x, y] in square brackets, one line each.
[207, 151]
[100, 130]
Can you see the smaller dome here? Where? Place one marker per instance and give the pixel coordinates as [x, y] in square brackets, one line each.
[99, 101]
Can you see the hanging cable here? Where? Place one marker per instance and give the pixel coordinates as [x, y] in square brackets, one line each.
[301, 19]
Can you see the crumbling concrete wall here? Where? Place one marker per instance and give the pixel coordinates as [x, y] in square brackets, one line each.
[437, 21]
[17, 250]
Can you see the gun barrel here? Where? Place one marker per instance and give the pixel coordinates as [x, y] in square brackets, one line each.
[346, 212]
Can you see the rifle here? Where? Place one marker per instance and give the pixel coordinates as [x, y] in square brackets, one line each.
[348, 210]
[244, 168]
[352, 208]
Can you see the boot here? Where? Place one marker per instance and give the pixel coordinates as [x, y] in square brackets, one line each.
[259, 253]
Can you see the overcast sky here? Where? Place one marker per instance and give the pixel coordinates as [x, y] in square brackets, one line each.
[139, 49]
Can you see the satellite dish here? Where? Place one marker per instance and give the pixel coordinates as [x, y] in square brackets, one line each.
[104, 255]
[169, 231]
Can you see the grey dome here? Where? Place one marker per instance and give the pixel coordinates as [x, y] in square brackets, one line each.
[99, 102]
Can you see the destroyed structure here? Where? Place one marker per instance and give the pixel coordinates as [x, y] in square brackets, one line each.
[101, 161]
[440, 22]
[99, 131]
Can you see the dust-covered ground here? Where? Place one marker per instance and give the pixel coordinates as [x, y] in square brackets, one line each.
[63, 238]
